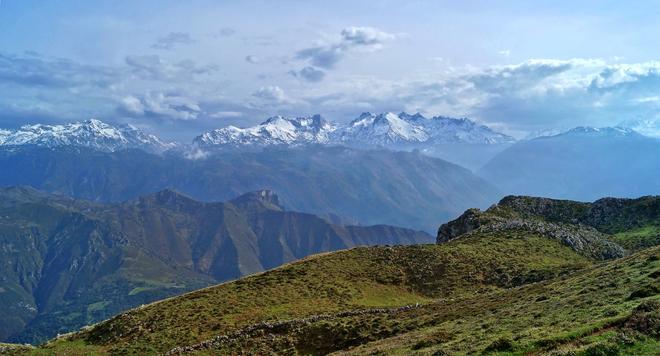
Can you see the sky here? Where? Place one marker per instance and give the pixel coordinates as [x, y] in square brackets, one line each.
[179, 68]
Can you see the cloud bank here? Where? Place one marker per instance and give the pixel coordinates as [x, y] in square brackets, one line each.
[517, 98]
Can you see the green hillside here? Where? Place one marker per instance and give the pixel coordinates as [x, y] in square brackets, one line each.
[531, 278]
[362, 278]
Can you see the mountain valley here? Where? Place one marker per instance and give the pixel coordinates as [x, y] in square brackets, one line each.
[66, 263]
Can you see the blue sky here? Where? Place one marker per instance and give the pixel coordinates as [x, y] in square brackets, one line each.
[178, 68]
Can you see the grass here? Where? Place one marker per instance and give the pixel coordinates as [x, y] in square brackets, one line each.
[360, 278]
[638, 239]
[570, 316]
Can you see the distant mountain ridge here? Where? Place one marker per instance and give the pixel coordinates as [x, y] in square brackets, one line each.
[65, 263]
[583, 163]
[368, 130]
[91, 133]
[367, 186]
[384, 130]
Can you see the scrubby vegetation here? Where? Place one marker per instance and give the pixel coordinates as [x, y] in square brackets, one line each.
[357, 279]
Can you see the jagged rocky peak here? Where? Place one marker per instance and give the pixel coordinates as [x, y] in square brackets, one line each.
[169, 198]
[263, 197]
[382, 130]
[90, 133]
[386, 129]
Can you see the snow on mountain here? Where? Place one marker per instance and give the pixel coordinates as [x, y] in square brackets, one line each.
[92, 133]
[380, 130]
[277, 130]
[4, 134]
[586, 131]
[543, 133]
[649, 128]
[449, 130]
[412, 130]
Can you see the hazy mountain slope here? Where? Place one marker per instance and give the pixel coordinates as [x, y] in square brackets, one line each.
[372, 187]
[67, 263]
[582, 164]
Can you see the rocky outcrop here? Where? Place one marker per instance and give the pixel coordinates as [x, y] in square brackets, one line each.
[584, 240]
[574, 224]
[470, 220]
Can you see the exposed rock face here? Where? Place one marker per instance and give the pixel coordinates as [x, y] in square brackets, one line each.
[581, 226]
[264, 197]
[470, 220]
[581, 238]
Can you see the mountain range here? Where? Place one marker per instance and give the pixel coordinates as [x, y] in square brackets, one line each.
[92, 134]
[527, 276]
[65, 263]
[388, 130]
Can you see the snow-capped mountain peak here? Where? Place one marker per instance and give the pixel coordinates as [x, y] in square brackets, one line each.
[649, 127]
[386, 129]
[276, 130]
[382, 129]
[90, 133]
[600, 132]
[404, 128]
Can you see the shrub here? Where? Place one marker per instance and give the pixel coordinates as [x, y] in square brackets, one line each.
[645, 291]
[501, 344]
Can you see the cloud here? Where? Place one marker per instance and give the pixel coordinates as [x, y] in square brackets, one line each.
[152, 67]
[309, 74]
[271, 94]
[252, 59]
[226, 114]
[35, 70]
[365, 36]
[173, 39]
[224, 32]
[227, 31]
[132, 105]
[161, 105]
[529, 96]
[352, 39]
[520, 77]
[186, 96]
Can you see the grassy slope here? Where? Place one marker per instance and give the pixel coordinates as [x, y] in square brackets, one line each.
[580, 313]
[638, 239]
[353, 279]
